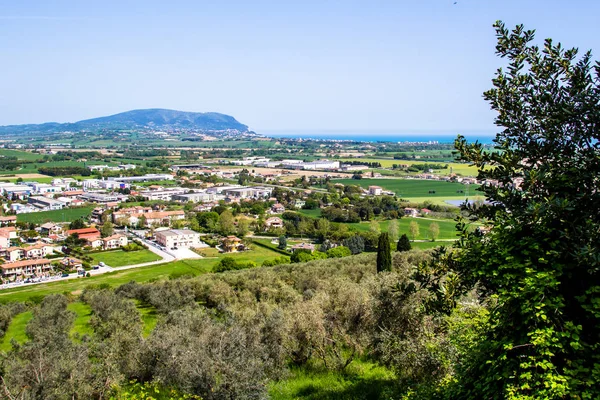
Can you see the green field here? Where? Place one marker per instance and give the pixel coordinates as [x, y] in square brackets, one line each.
[16, 330]
[81, 325]
[316, 213]
[21, 155]
[142, 274]
[447, 227]
[119, 258]
[417, 188]
[362, 379]
[66, 215]
[149, 316]
[457, 168]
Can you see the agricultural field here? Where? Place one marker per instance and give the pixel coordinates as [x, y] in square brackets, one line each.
[66, 215]
[418, 188]
[119, 258]
[457, 168]
[16, 330]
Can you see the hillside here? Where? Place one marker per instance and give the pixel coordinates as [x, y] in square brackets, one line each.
[154, 118]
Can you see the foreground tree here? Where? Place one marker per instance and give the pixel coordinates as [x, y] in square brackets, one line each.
[413, 230]
[434, 231]
[384, 253]
[540, 262]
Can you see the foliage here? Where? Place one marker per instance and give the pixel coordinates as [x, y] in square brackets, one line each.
[403, 243]
[434, 231]
[384, 254]
[282, 242]
[539, 263]
[355, 243]
[413, 230]
[338, 252]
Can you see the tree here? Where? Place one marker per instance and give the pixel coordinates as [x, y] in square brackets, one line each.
[434, 231]
[539, 261]
[243, 227]
[107, 229]
[393, 230]
[375, 227]
[413, 230]
[339, 252]
[282, 243]
[226, 225]
[384, 254]
[403, 243]
[355, 243]
[77, 224]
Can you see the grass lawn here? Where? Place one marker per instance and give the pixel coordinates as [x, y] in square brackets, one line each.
[21, 155]
[119, 258]
[149, 316]
[427, 245]
[447, 227]
[411, 188]
[81, 325]
[66, 215]
[316, 213]
[361, 380]
[16, 330]
[142, 274]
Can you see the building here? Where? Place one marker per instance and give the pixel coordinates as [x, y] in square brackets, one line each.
[10, 190]
[165, 195]
[178, 238]
[350, 168]
[231, 244]
[274, 223]
[6, 235]
[163, 218]
[114, 242]
[71, 263]
[8, 220]
[144, 178]
[96, 197]
[13, 253]
[299, 203]
[26, 267]
[45, 203]
[277, 208]
[375, 190]
[130, 215]
[411, 212]
[303, 247]
[50, 227]
[85, 233]
[38, 250]
[195, 197]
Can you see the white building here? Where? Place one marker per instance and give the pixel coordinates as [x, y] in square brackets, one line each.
[178, 238]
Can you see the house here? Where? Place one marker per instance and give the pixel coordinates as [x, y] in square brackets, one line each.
[50, 227]
[274, 223]
[45, 203]
[164, 218]
[299, 203]
[13, 253]
[71, 263]
[178, 238]
[411, 212]
[375, 190]
[26, 267]
[277, 208]
[6, 235]
[130, 215]
[8, 220]
[232, 244]
[94, 242]
[114, 242]
[85, 233]
[425, 211]
[303, 247]
[38, 250]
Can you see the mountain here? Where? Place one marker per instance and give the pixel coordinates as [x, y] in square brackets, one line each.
[152, 118]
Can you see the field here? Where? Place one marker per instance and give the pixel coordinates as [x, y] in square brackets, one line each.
[417, 188]
[16, 330]
[66, 215]
[142, 274]
[447, 227]
[457, 168]
[119, 258]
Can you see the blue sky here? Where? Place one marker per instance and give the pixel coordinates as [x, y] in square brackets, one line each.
[274, 65]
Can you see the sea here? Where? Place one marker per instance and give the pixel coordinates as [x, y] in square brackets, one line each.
[484, 137]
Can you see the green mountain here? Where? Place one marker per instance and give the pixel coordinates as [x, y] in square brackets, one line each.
[152, 118]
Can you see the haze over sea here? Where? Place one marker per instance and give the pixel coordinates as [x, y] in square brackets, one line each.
[482, 136]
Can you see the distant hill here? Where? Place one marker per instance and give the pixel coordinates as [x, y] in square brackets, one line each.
[155, 118]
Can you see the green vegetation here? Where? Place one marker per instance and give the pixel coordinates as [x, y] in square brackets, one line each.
[447, 227]
[119, 258]
[410, 188]
[363, 379]
[149, 316]
[66, 215]
[81, 325]
[16, 330]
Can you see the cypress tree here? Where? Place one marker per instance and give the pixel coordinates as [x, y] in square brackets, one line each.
[384, 254]
[403, 243]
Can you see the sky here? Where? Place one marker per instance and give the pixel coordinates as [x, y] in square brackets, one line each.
[273, 65]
